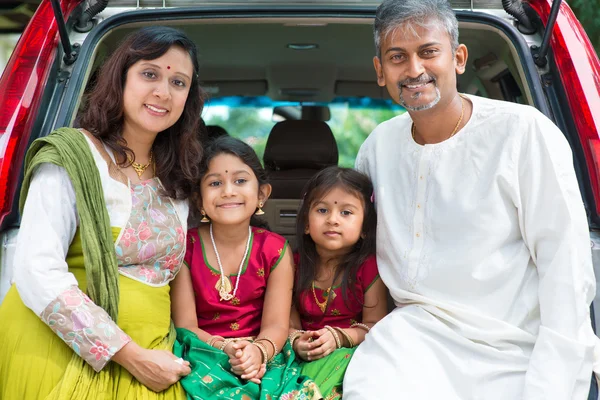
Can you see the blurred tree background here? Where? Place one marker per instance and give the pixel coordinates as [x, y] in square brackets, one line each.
[588, 13]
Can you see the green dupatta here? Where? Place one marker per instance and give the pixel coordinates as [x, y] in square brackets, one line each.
[68, 148]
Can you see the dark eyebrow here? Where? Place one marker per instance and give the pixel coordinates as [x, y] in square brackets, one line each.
[421, 47]
[149, 64]
[217, 175]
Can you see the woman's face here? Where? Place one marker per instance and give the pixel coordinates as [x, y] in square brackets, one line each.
[156, 91]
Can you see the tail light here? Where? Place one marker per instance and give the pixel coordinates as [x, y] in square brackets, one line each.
[21, 85]
[579, 69]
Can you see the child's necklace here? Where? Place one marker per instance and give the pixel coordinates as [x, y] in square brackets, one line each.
[225, 287]
[322, 305]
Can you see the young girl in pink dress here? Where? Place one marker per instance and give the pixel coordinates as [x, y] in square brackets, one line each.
[338, 295]
[231, 300]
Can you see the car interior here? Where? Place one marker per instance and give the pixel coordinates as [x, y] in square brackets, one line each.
[298, 71]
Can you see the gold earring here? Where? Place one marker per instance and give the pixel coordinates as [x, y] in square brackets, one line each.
[259, 211]
[204, 218]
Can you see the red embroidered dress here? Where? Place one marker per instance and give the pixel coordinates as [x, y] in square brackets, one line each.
[240, 316]
[338, 313]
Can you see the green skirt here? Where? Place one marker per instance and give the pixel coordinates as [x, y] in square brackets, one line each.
[328, 372]
[211, 377]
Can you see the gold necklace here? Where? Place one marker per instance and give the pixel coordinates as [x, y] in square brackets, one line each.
[322, 305]
[140, 168]
[462, 114]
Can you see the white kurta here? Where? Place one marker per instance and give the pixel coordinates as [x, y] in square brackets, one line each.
[484, 245]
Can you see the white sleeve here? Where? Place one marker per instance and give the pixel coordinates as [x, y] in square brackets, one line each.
[554, 226]
[47, 228]
[42, 277]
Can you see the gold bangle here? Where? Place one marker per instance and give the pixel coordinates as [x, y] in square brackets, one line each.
[336, 337]
[214, 339]
[268, 339]
[361, 326]
[263, 351]
[295, 335]
[225, 343]
[347, 336]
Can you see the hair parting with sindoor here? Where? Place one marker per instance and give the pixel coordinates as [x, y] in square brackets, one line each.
[177, 150]
[316, 188]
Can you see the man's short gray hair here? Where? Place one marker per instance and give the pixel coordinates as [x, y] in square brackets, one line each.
[391, 14]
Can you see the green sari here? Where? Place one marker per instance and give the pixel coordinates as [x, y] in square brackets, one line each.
[211, 377]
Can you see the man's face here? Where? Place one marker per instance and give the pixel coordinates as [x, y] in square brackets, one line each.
[417, 65]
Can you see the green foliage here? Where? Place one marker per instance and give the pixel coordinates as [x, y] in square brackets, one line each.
[588, 13]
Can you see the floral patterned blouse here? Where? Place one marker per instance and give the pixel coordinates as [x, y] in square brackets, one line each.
[150, 249]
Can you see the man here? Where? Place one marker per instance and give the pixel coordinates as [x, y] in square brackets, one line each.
[482, 235]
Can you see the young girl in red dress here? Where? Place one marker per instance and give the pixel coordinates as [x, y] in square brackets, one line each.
[231, 301]
[338, 295]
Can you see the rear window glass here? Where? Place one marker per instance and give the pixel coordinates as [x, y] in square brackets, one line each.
[252, 118]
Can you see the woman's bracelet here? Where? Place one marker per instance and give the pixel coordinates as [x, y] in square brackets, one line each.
[268, 339]
[263, 351]
[214, 339]
[335, 335]
[346, 336]
[361, 326]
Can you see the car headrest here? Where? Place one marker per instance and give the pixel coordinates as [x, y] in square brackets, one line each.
[300, 144]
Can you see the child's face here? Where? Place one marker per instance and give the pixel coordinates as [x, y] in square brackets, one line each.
[335, 222]
[229, 189]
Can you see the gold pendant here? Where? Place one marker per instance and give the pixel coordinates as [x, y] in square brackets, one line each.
[225, 295]
[225, 288]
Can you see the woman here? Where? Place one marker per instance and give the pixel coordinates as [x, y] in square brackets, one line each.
[104, 214]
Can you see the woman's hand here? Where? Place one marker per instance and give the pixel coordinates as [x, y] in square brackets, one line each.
[323, 344]
[247, 361]
[155, 369]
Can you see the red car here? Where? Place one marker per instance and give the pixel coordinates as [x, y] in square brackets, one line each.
[264, 61]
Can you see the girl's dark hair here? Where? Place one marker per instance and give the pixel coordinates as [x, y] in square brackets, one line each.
[177, 150]
[316, 188]
[230, 145]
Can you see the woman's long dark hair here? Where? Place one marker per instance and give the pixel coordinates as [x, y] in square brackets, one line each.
[229, 145]
[177, 150]
[316, 188]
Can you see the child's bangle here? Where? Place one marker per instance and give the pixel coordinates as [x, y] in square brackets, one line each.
[361, 326]
[346, 336]
[263, 351]
[336, 337]
[272, 344]
[295, 335]
[214, 339]
[225, 343]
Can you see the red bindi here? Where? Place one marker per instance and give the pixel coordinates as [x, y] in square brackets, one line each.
[168, 67]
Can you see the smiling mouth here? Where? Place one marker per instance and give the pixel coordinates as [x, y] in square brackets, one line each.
[156, 109]
[230, 205]
[417, 86]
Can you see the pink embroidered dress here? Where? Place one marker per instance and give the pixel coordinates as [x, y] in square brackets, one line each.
[240, 316]
[328, 372]
[338, 313]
